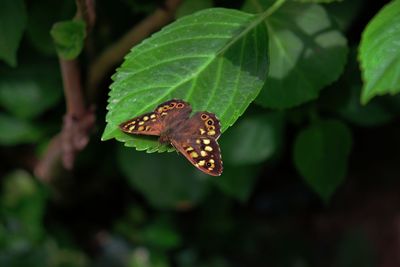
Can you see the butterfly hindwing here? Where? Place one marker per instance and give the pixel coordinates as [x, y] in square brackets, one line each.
[203, 152]
[202, 123]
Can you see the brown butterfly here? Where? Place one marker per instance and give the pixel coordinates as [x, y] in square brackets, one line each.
[195, 137]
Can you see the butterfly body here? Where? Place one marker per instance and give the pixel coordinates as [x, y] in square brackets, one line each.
[195, 137]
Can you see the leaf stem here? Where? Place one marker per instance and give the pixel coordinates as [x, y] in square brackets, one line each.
[272, 9]
[253, 24]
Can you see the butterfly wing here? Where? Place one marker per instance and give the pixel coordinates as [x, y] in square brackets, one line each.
[173, 112]
[165, 116]
[203, 152]
[197, 138]
[146, 124]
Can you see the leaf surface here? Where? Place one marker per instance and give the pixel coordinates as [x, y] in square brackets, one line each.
[69, 37]
[379, 53]
[215, 59]
[166, 181]
[321, 152]
[253, 139]
[307, 52]
[31, 89]
[12, 25]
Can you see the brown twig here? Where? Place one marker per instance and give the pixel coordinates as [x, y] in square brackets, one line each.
[78, 120]
[115, 53]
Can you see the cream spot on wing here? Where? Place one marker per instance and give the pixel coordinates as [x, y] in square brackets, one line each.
[145, 118]
[211, 161]
[132, 128]
[194, 155]
[202, 162]
[164, 114]
[189, 149]
[153, 116]
[141, 122]
[198, 141]
[153, 120]
[206, 141]
[140, 128]
[212, 132]
[208, 148]
[147, 128]
[203, 153]
[202, 131]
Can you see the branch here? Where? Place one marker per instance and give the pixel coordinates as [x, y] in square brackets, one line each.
[78, 120]
[115, 53]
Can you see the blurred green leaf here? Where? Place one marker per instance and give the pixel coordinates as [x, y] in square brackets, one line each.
[39, 25]
[307, 52]
[379, 53]
[345, 12]
[238, 182]
[253, 139]
[143, 257]
[372, 114]
[16, 131]
[31, 89]
[162, 235]
[23, 203]
[218, 66]
[166, 180]
[12, 25]
[191, 6]
[69, 37]
[321, 152]
[343, 97]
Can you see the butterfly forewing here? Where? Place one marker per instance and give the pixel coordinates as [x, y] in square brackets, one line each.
[173, 112]
[146, 124]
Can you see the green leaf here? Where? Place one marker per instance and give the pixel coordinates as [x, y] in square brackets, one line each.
[12, 26]
[345, 12]
[344, 97]
[253, 139]
[238, 182]
[320, 155]
[31, 89]
[161, 234]
[15, 131]
[215, 59]
[69, 37]
[166, 180]
[307, 52]
[23, 200]
[39, 26]
[372, 114]
[379, 53]
[190, 6]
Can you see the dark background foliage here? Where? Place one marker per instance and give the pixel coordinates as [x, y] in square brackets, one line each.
[310, 180]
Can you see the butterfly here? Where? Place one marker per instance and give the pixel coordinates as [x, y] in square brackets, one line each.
[195, 137]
